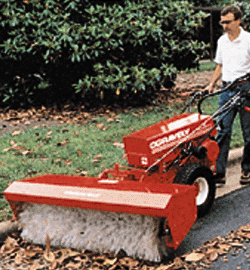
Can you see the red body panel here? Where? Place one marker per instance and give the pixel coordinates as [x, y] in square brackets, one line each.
[145, 146]
[169, 201]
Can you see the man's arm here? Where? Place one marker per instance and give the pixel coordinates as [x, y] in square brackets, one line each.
[216, 76]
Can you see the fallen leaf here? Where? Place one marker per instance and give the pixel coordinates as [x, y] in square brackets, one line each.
[245, 233]
[35, 266]
[100, 126]
[27, 123]
[10, 243]
[65, 254]
[213, 256]
[224, 247]
[48, 255]
[68, 162]
[127, 261]
[79, 153]
[73, 265]
[117, 144]
[178, 263]
[17, 132]
[239, 245]
[49, 133]
[110, 261]
[18, 259]
[40, 145]
[225, 259]
[100, 258]
[97, 158]
[27, 153]
[12, 143]
[110, 120]
[30, 252]
[53, 265]
[245, 229]
[19, 148]
[167, 267]
[194, 257]
[62, 143]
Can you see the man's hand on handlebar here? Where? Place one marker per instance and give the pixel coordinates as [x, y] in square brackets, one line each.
[209, 88]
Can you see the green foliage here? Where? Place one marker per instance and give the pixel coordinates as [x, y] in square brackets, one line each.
[245, 7]
[82, 50]
[213, 3]
[204, 3]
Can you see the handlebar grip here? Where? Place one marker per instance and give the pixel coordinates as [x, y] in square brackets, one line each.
[205, 92]
[247, 109]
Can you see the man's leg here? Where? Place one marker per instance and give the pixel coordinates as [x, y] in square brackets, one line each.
[224, 136]
[245, 125]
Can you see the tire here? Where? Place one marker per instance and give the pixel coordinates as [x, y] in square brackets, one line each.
[197, 173]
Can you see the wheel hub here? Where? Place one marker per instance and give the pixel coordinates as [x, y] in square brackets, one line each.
[202, 190]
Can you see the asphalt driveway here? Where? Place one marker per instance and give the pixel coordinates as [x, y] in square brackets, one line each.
[229, 212]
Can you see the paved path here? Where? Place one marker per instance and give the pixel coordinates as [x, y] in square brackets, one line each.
[233, 174]
[230, 211]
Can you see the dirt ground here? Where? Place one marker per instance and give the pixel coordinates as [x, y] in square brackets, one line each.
[198, 79]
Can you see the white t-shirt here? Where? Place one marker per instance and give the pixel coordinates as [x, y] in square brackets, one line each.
[234, 56]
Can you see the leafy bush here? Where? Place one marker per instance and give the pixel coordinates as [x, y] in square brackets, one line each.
[92, 51]
[245, 7]
[204, 3]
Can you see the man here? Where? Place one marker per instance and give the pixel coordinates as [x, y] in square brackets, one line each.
[233, 61]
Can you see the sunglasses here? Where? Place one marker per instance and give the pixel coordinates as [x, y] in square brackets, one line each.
[226, 22]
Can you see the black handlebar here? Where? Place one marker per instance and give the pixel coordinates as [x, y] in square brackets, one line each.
[229, 86]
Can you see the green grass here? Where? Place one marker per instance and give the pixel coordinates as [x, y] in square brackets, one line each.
[210, 65]
[204, 66]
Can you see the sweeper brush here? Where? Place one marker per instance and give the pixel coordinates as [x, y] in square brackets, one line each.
[145, 209]
[104, 214]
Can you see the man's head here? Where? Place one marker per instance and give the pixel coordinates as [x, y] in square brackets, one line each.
[231, 19]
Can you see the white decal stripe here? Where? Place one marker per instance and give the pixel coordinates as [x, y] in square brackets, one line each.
[108, 196]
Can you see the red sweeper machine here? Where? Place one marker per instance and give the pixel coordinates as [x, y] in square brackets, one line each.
[146, 208]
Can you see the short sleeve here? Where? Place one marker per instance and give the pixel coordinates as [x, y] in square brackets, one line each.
[218, 55]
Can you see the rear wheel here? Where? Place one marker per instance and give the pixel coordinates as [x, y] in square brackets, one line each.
[200, 175]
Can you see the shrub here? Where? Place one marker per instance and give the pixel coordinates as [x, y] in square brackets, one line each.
[245, 7]
[92, 51]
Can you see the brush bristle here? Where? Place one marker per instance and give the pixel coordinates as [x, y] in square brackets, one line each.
[95, 230]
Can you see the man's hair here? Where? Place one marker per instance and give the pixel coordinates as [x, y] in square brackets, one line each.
[232, 9]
